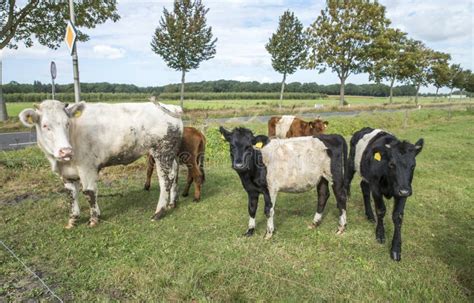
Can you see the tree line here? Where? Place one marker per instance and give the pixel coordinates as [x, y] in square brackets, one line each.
[219, 86]
[347, 37]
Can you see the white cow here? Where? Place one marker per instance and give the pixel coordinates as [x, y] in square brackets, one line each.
[81, 139]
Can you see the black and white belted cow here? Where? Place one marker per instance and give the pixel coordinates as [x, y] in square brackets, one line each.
[81, 139]
[386, 166]
[288, 165]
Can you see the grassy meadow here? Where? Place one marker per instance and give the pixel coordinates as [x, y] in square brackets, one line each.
[197, 251]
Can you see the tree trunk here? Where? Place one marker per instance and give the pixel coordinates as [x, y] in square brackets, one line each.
[416, 96]
[181, 102]
[341, 92]
[436, 95]
[282, 90]
[391, 89]
[451, 93]
[3, 106]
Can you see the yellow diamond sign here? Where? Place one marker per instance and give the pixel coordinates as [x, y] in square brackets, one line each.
[70, 37]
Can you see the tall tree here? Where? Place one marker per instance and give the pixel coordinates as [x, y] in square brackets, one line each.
[387, 58]
[287, 47]
[183, 38]
[419, 59]
[440, 72]
[340, 37]
[454, 72]
[44, 21]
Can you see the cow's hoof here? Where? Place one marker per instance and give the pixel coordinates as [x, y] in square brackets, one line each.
[146, 187]
[196, 200]
[381, 240]
[340, 230]
[313, 225]
[93, 222]
[397, 256]
[171, 206]
[249, 232]
[268, 236]
[157, 216]
[69, 225]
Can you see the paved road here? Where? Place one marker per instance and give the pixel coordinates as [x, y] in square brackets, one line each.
[11, 141]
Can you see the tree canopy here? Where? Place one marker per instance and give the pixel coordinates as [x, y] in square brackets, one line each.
[340, 37]
[183, 38]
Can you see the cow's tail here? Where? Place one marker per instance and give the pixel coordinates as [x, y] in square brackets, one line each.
[202, 158]
[345, 165]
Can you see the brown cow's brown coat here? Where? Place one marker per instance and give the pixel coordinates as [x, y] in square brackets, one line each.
[298, 127]
[191, 154]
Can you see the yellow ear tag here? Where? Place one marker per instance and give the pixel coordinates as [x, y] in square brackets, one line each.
[258, 145]
[30, 119]
[377, 156]
[222, 137]
[77, 114]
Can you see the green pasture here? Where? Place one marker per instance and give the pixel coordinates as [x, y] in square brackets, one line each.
[14, 108]
[197, 253]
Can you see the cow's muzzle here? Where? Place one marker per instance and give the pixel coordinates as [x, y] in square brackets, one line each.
[404, 192]
[65, 154]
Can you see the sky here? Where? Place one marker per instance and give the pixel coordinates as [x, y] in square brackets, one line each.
[120, 52]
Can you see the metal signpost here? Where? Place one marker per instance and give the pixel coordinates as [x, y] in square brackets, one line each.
[70, 38]
[53, 76]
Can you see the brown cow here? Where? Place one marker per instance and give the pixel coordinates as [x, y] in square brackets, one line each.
[191, 154]
[290, 126]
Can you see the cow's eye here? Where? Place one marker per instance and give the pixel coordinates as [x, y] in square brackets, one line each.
[391, 165]
[45, 126]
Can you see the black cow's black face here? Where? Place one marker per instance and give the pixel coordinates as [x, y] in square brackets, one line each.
[401, 165]
[241, 142]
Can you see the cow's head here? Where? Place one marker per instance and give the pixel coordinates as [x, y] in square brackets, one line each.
[401, 164]
[242, 144]
[52, 120]
[318, 126]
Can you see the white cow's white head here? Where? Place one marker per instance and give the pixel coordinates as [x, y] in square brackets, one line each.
[52, 120]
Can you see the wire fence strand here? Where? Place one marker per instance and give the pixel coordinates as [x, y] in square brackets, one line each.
[31, 271]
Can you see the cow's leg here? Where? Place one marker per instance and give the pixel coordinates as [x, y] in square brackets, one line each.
[252, 207]
[166, 171]
[380, 211]
[89, 189]
[341, 199]
[365, 187]
[397, 217]
[270, 212]
[323, 196]
[189, 181]
[149, 171]
[174, 185]
[198, 180]
[73, 187]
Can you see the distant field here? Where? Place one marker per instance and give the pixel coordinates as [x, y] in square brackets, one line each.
[197, 252]
[15, 108]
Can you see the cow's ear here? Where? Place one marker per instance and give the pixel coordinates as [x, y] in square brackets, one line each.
[419, 146]
[75, 110]
[29, 117]
[260, 141]
[225, 133]
[326, 123]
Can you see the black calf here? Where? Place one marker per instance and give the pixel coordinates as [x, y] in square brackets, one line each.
[247, 162]
[386, 166]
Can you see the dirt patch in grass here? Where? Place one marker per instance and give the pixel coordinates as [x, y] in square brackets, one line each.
[20, 198]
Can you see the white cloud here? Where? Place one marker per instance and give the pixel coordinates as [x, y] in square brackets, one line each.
[108, 52]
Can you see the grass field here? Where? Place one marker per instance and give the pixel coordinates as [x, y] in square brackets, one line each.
[197, 251]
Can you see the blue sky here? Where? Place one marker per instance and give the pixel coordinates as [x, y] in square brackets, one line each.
[120, 52]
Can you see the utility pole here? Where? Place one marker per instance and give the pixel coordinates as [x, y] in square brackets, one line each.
[53, 76]
[75, 60]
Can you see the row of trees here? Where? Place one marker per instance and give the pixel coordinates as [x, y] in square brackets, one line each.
[219, 86]
[351, 37]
